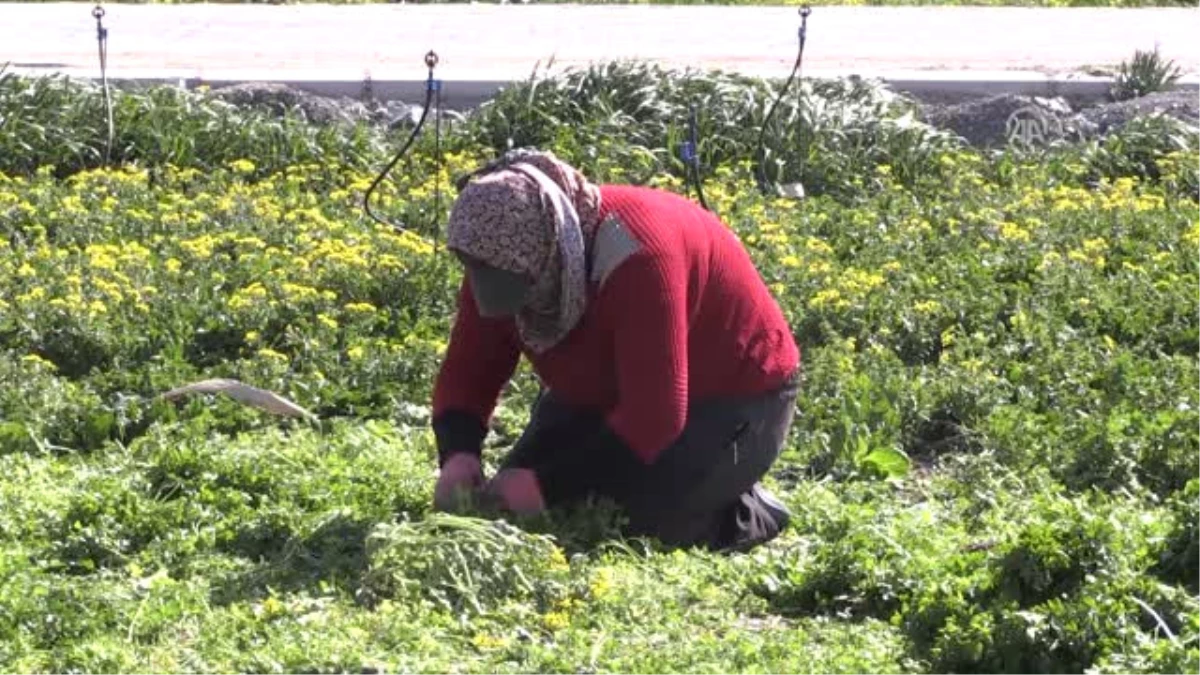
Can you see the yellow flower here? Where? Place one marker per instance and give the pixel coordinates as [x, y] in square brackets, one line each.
[1065, 205]
[860, 281]
[1013, 232]
[242, 166]
[927, 306]
[268, 353]
[103, 256]
[1192, 234]
[200, 247]
[35, 294]
[1048, 260]
[602, 583]
[485, 641]
[360, 308]
[790, 261]
[828, 297]
[819, 267]
[246, 297]
[38, 361]
[355, 353]
[817, 246]
[1149, 203]
[327, 321]
[300, 291]
[555, 621]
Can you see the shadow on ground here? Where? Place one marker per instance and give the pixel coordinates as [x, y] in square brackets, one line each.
[333, 556]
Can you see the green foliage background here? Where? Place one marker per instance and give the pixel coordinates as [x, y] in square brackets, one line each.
[993, 469]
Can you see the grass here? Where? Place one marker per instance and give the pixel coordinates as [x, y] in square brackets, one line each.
[993, 469]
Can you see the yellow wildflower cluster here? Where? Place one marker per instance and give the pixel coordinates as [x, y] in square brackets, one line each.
[559, 616]
[108, 248]
[849, 289]
[1191, 236]
[1091, 252]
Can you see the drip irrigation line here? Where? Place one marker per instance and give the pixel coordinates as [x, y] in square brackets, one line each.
[432, 87]
[102, 46]
[762, 177]
[690, 149]
[691, 156]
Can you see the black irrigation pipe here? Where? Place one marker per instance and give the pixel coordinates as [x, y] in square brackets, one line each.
[690, 149]
[762, 176]
[102, 45]
[432, 87]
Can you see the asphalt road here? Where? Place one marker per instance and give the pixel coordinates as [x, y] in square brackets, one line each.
[504, 42]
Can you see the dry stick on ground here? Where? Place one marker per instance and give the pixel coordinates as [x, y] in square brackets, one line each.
[244, 393]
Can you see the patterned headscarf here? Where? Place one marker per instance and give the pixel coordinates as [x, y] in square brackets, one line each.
[530, 213]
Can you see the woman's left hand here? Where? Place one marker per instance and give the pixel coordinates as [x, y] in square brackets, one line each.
[517, 490]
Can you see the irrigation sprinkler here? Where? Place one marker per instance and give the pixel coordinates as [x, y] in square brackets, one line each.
[433, 90]
[690, 149]
[102, 45]
[794, 189]
[691, 156]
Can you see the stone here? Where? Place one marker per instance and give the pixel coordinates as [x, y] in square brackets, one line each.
[995, 121]
[1108, 117]
[277, 99]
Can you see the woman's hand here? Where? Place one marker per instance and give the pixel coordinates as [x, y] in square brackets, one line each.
[460, 477]
[518, 491]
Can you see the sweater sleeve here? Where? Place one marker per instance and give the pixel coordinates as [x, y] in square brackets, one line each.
[647, 305]
[481, 357]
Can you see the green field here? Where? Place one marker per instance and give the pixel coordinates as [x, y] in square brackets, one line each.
[993, 467]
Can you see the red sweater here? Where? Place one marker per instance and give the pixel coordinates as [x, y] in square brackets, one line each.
[685, 317]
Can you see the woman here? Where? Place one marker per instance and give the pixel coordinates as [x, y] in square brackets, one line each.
[669, 372]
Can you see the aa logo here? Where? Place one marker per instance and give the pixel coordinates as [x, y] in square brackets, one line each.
[1032, 126]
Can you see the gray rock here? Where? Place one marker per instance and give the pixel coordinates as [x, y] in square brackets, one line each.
[1005, 119]
[278, 99]
[999, 120]
[1108, 117]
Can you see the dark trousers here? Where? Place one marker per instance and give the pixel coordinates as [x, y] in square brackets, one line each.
[686, 496]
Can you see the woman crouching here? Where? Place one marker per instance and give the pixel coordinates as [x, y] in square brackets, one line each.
[669, 372]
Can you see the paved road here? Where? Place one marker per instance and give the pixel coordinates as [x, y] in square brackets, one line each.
[505, 41]
[332, 49]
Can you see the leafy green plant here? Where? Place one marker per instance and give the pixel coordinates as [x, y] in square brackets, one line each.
[626, 121]
[55, 121]
[1180, 559]
[1146, 73]
[464, 564]
[991, 469]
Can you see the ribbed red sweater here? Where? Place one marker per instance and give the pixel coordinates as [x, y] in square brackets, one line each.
[684, 318]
